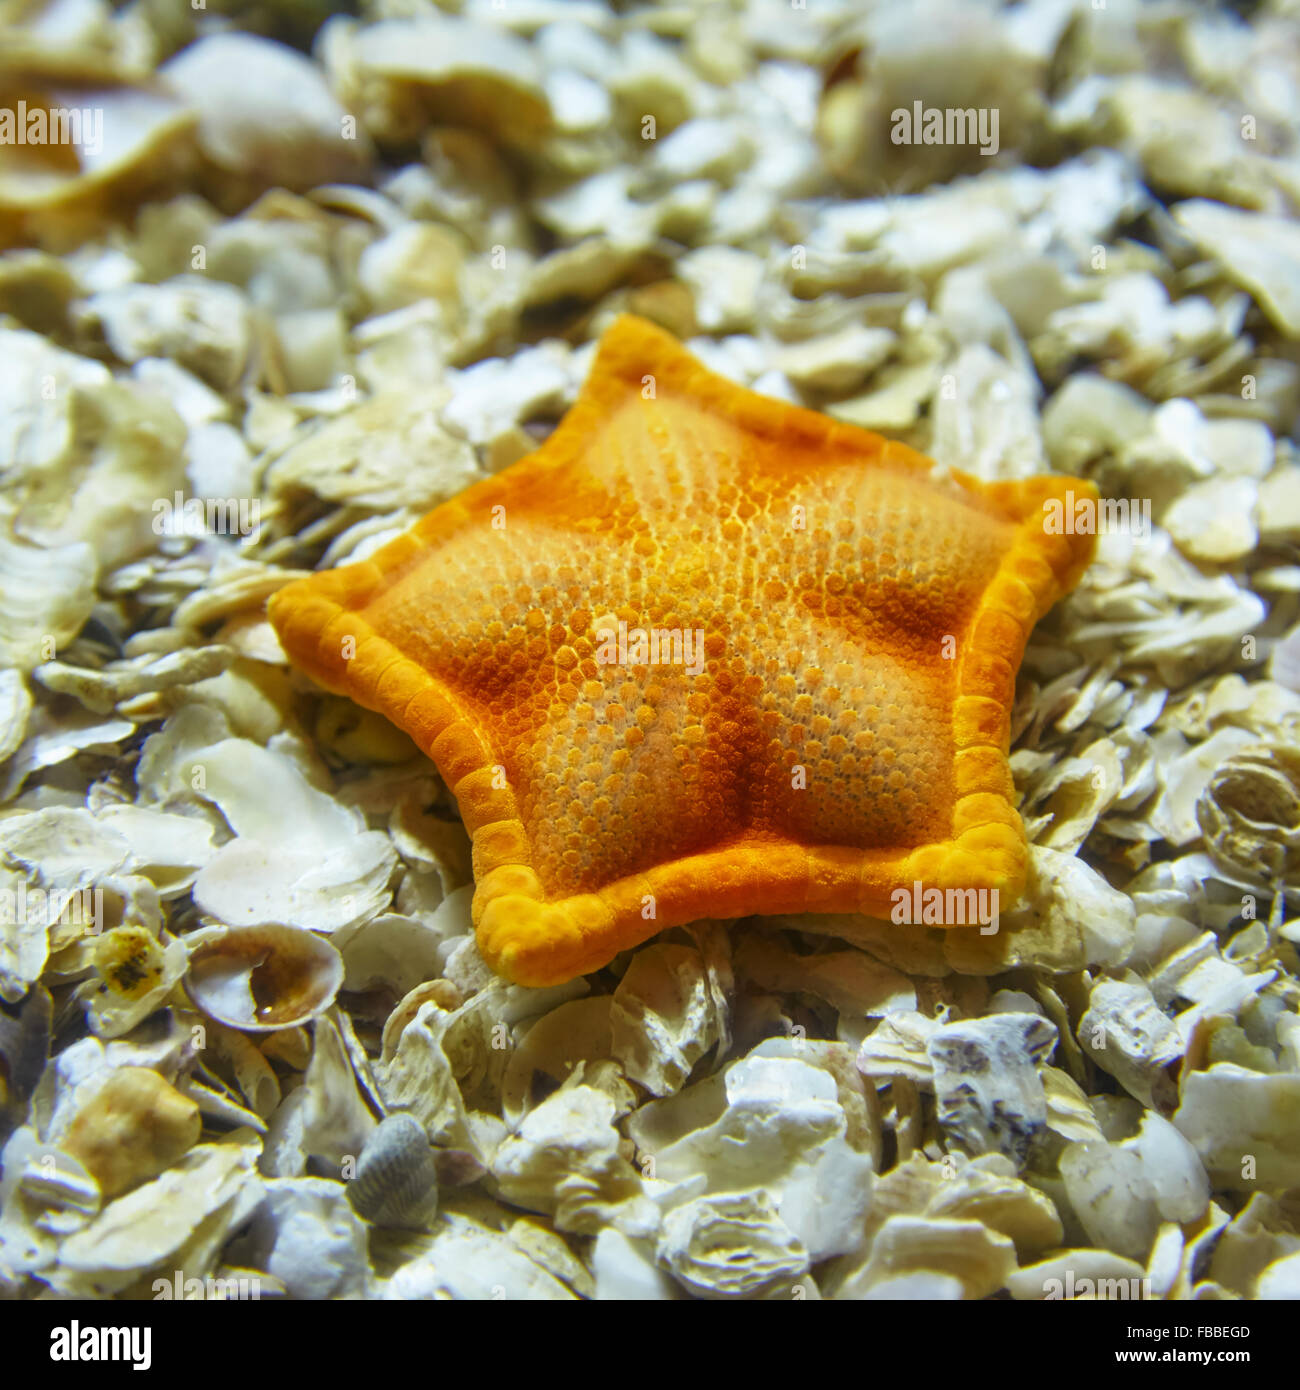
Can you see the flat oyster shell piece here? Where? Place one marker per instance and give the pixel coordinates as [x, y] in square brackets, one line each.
[990, 1096]
[266, 109]
[1128, 1035]
[852, 982]
[1083, 1271]
[1112, 1196]
[1281, 1280]
[575, 1034]
[1213, 521]
[1259, 1234]
[564, 1159]
[770, 1122]
[410, 70]
[393, 950]
[625, 1269]
[49, 594]
[138, 1231]
[15, 706]
[301, 858]
[388, 451]
[469, 1261]
[24, 942]
[1258, 252]
[733, 1245]
[200, 324]
[899, 1048]
[167, 849]
[336, 1124]
[981, 1259]
[1245, 1125]
[305, 1235]
[261, 979]
[663, 1018]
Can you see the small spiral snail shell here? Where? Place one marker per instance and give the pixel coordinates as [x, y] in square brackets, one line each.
[396, 1182]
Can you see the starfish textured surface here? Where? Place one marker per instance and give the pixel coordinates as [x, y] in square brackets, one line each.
[703, 654]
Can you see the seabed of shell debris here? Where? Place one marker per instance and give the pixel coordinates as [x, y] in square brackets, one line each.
[301, 278]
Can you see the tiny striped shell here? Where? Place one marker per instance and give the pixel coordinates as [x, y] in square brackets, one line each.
[396, 1182]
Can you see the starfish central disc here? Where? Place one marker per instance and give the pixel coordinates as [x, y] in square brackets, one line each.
[704, 654]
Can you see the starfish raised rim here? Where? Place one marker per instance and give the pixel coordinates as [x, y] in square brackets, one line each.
[536, 940]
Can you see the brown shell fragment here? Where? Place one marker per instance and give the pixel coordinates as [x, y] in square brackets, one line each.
[262, 979]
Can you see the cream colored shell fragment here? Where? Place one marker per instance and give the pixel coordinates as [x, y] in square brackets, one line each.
[402, 74]
[575, 1034]
[469, 1261]
[265, 110]
[1069, 918]
[1250, 815]
[15, 709]
[1245, 1125]
[852, 982]
[209, 1191]
[564, 1159]
[300, 858]
[663, 1017]
[1120, 1193]
[1258, 252]
[24, 941]
[1127, 1035]
[980, 1259]
[1252, 1245]
[767, 1122]
[200, 324]
[144, 132]
[1214, 521]
[731, 1246]
[49, 594]
[1079, 1274]
[983, 1190]
[388, 451]
[418, 1077]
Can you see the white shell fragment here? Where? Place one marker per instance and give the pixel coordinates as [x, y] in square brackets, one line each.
[300, 857]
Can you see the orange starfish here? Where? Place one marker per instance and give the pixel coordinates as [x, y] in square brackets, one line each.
[703, 654]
